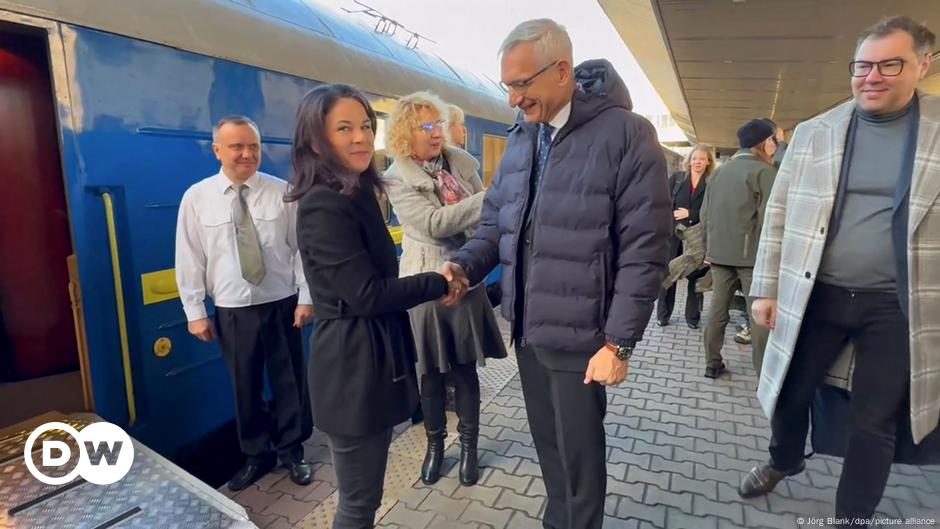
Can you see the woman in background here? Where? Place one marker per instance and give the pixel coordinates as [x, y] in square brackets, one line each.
[688, 191]
[435, 190]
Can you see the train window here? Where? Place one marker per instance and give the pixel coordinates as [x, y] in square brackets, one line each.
[493, 149]
[379, 133]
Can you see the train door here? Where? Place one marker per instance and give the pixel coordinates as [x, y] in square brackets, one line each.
[41, 327]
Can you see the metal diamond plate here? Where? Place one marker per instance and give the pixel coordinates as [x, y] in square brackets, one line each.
[168, 497]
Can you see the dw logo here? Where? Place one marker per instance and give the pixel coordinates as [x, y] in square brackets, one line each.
[106, 453]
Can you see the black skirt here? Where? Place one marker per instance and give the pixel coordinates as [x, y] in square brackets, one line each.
[463, 334]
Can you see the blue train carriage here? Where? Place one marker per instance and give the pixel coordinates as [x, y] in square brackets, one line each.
[108, 122]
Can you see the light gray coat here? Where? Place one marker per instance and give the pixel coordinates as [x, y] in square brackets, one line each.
[794, 234]
[426, 222]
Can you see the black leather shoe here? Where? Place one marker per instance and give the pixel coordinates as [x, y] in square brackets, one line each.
[715, 371]
[692, 324]
[433, 459]
[250, 473]
[763, 478]
[662, 323]
[300, 472]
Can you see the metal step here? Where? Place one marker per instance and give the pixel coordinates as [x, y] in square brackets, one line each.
[155, 494]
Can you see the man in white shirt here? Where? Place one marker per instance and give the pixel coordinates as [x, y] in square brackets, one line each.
[236, 241]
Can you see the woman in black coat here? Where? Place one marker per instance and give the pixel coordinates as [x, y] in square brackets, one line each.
[361, 368]
[688, 192]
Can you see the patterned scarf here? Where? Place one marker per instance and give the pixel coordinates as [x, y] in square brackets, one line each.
[450, 191]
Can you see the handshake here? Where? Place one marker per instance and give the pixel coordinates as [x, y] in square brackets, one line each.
[457, 282]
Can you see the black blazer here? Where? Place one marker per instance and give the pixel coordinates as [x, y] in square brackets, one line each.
[680, 183]
[362, 360]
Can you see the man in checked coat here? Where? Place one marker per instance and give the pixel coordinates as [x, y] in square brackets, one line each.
[850, 254]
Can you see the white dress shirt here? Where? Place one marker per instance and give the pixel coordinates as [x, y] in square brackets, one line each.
[206, 255]
[560, 119]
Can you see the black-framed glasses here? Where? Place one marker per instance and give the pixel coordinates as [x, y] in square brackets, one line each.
[887, 68]
[523, 85]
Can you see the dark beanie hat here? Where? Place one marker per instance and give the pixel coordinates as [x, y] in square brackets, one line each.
[754, 132]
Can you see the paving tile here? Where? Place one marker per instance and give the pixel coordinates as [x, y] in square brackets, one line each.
[620, 456]
[408, 518]
[485, 495]
[677, 519]
[610, 505]
[528, 467]
[729, 510]
[634, 491]
[639, 475]
[702, 487]
[612, 522]
[449, 507]
[280, 523]
[289, 507]
[498, 478]
[496, 461]
[256, 499]
[684, 468]
[617, 471]
[522, 450]
[628, 508]
[658, 496]
[412, 497]
[520, 521]
[442, 522]
[531, 505]
[263, 521]
[758, 518]
[477, 512]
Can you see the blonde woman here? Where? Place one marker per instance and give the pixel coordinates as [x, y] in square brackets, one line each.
[435, 190]
[688, 191]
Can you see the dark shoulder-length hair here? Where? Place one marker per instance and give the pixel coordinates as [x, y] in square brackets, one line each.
[312, 156]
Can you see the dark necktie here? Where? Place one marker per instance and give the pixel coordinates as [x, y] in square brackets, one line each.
[544, 147]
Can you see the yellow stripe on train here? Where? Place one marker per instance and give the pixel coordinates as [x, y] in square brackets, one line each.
[161, 286]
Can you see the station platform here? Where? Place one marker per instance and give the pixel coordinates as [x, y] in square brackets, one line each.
[678, 445]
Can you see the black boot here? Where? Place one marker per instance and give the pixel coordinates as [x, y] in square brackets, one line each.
[469, 465]
[467, 399]
[435, 425]
[434, 458]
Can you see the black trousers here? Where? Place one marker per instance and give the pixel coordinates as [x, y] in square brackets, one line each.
[466, 394]
[873, 321]
[566, 418]
[693, 301]
[359, 463]
[254, 337]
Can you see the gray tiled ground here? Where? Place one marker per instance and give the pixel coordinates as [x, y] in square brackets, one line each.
[678, 444]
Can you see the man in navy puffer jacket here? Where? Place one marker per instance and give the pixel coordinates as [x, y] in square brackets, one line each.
[579, 217]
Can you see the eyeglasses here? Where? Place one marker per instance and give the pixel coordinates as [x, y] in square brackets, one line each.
[888, 68]
[428, 128]
[522, 86]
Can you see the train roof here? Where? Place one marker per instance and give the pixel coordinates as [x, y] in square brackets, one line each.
[290, 36]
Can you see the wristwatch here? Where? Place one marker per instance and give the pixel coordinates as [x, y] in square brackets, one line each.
[623, 352]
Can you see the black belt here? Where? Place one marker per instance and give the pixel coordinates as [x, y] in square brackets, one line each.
[324, 310]
[339, 310]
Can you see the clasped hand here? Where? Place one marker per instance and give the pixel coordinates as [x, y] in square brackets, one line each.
[457, 282]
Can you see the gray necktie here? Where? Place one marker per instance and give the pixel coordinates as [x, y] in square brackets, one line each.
[246, 239]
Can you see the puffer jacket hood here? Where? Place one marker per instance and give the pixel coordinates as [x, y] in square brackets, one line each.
[599, 88]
